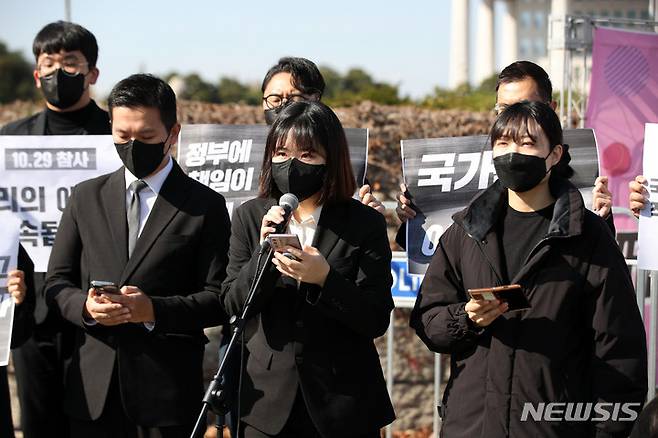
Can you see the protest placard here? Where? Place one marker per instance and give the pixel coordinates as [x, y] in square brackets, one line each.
[443, 174]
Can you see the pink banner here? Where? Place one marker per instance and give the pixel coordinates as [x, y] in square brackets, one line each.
[623, 97]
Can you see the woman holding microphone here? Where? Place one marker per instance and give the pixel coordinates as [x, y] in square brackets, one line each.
[310, 366]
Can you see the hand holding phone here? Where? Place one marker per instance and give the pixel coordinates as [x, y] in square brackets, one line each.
[511, 294]
[279, 242]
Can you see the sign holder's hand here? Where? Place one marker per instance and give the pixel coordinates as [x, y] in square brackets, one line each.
[16, 285]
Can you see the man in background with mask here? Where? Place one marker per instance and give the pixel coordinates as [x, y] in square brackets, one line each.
[161, 240]
[65, 55]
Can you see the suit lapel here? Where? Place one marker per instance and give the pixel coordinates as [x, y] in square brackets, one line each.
[171, 197]
[113, 195]
[330, 227]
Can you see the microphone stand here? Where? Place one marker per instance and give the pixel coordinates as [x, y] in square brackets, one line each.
[215, 397]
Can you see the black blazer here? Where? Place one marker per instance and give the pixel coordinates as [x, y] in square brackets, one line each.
[179, 261]
[320, 340]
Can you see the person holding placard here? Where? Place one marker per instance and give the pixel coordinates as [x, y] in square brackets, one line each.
[66, 55]
[530, 295]
[521, 80]
[311, 368]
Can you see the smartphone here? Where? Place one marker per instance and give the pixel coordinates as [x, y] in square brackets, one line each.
[280, 241]
[512, 294]
[104, 287]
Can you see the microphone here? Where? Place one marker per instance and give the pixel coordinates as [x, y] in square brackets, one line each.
[289, 203]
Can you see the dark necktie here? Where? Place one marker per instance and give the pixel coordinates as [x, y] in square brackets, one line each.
[133, 214]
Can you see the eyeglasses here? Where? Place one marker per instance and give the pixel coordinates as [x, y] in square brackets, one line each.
[71, 67]
[276, 100]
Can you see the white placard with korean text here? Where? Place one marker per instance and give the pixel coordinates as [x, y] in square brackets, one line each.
[8, 262]
[38, 174]
[647, 257]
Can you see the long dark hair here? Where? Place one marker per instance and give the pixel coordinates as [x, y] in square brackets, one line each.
[516, 120]
[312, 126]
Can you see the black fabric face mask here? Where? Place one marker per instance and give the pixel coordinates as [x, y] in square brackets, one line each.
[141, 159]
[61, 89]
[301, 179]
[520, 172]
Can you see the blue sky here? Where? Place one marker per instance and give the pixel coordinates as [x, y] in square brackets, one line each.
[403, 42]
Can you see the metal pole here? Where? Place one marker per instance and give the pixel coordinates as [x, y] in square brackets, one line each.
[569, 91]
[584, 90]
[389, 365]
[437, 393]
[653, 326]
[564, 75]
[67, 10]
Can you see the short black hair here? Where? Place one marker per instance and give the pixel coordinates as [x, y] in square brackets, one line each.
[144, 90]
[313, 126]
[519, 70]
[67, 36]
[306, 76]
[515, 120]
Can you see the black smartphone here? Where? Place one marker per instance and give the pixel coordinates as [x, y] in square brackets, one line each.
[104, 287]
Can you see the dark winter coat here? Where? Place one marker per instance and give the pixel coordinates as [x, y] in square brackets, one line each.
[582, 340]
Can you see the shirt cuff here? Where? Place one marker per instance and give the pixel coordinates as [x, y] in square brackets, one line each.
[89, 321]
[149, 326]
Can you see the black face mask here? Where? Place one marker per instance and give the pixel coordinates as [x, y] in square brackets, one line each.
[520, 172]
[61, 89]
[141, 159]
[301, 179]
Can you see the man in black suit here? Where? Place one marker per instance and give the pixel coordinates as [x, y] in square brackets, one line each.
[65, 55]
[162, 238]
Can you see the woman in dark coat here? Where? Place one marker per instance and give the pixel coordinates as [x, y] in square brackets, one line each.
[582, 340]
[311, 368]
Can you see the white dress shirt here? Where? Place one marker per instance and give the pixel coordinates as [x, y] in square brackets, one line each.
[147, 198]
[148, 194]
[305, 229]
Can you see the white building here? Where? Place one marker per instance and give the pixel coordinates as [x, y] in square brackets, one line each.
[524, 32]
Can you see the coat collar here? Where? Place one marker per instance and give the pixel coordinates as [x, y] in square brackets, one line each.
[479, 218]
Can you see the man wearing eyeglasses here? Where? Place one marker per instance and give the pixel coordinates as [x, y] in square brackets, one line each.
[66, 55]
[519, 81]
